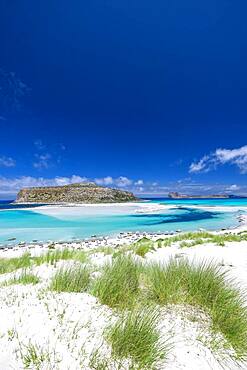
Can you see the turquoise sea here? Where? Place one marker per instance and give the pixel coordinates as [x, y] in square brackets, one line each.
[25, 224]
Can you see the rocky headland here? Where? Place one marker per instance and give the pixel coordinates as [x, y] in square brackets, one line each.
[176, 195]
[86, 192]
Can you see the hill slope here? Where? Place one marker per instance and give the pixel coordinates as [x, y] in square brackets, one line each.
[74, 193]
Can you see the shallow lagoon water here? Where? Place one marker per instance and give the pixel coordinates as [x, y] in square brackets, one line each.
[187, 215]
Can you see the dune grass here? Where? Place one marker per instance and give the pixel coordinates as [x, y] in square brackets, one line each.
[118, 284]
[191, 239]
[53, 256]
[121, 250]
[37, 357]
[97, 361]
[34, 357]
[24, 278]
[192, 243]
[142, 249]
[125, 283]
[12, 264]
[135, 337]
[143, 246]
[71, 279]
[221, 239]
[106, 250]
[192, 236]
[206, 286]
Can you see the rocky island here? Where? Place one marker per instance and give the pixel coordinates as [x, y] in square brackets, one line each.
[85, 192]
[176, 195]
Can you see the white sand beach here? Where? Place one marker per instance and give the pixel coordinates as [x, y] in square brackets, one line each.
[71, 210]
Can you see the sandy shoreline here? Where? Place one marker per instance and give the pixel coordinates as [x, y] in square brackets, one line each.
[72, 212]
[121, 238]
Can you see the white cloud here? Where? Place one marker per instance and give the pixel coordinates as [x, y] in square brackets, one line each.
[108, 180]
[120, 181]
[237, 157]
[123, 181]
[139, 182]
[233, 187]
[7, 162]
[140, 189]
[200, 166]
[12, 186]
[226, 155]
[69, 180]
[43, 161]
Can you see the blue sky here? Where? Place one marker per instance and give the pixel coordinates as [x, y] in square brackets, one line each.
[136, 94]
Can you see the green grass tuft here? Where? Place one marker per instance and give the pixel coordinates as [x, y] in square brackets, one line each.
[36, 357]
[51, 257]
[71, 279]
[11, 264]
[207, 286]
[135, 337]
[191, 239]
[97, 361]
[118, 285]
[24, 278]
[143, 246]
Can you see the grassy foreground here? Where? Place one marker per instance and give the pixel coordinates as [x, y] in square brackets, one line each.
[51, 257]
[135, 335]
[206, 286]
[71, 279]
[125, 282]
[24, 278]
[118, 285]
[186, 240]
[137, 292]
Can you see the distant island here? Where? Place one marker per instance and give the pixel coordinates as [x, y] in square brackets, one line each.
[175, 195]
[85, 192]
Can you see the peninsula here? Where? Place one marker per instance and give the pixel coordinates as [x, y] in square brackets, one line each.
[175, 195]
[85, 192]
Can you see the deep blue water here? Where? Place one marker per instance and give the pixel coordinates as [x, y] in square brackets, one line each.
[8, 204]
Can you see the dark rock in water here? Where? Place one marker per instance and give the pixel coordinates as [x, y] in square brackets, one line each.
[51, 246]
[87, 192]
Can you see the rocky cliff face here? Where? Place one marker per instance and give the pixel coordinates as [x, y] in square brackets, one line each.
[74, 193]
